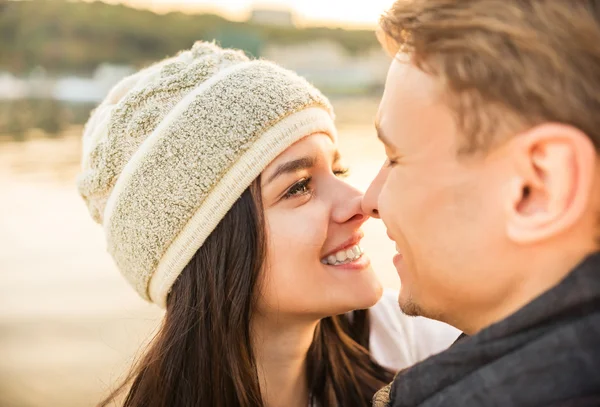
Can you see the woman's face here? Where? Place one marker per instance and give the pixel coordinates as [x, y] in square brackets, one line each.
[315, 266]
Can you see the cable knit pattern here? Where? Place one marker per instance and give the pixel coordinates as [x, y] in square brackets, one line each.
[167, 141]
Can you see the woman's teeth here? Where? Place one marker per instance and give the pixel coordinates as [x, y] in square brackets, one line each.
[344, 256]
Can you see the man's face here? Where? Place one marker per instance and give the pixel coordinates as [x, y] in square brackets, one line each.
[443, 210]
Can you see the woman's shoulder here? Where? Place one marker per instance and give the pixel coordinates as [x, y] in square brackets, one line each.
[398, 341]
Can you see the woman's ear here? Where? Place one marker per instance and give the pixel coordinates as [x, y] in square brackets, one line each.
[552, 183]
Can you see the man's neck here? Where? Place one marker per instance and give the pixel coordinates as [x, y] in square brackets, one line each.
[280, 349]
[542, 276]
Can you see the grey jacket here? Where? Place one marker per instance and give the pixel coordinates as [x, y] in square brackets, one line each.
[546, 354]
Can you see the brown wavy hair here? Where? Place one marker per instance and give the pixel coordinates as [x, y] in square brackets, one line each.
[202, 354]
[505, 62]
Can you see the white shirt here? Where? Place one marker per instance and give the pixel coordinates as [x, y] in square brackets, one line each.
[398, 341]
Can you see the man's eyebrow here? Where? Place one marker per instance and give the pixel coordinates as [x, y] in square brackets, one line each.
[293, 166]
[381, 136]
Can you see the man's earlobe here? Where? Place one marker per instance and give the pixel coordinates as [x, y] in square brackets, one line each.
[551, 187]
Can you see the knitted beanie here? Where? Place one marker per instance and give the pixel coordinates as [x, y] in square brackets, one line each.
[172, 147]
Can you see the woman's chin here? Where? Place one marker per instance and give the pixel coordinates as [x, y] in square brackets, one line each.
[365, 293]
[372, 292]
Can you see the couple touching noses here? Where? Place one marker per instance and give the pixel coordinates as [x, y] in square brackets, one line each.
[220, 189]
[219, 186]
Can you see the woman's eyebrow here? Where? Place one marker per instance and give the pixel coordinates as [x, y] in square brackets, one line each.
[299, 164]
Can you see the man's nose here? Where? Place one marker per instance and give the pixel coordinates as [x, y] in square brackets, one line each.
[369, 202]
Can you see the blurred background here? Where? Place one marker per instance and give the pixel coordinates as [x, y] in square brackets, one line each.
[69, 324]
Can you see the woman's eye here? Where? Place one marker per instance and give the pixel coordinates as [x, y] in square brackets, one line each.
[299, 188]
[341, 172]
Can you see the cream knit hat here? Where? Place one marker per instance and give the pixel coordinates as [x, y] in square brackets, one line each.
[172, 147]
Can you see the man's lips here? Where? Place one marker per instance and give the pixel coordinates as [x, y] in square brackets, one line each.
[393, 240]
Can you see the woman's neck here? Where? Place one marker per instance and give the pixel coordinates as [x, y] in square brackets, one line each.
[280, 349]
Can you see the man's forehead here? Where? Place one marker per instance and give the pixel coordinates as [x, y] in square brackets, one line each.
[412, 81]
[408, 89]
[411, 110]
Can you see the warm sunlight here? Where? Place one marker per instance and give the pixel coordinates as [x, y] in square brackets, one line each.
[308, 12]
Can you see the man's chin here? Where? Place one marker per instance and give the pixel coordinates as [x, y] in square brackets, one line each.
[409, 306]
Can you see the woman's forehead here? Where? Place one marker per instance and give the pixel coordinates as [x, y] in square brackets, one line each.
[317, 146]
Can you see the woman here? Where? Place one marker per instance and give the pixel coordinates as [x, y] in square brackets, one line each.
[216, 180]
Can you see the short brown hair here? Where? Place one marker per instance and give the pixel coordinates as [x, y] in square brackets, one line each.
[531, 61]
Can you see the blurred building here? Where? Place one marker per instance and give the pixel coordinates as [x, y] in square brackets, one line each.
[38, 85]
[94, 89]
[265, 16]
[12, 87]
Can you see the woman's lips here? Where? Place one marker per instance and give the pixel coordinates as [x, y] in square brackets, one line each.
[357, 264]
[348, 243]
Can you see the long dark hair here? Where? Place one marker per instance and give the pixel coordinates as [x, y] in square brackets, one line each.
[202, 354]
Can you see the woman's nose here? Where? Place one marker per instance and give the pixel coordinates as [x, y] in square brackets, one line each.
[348, 206]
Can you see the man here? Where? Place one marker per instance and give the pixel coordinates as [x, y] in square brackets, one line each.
[491, 191]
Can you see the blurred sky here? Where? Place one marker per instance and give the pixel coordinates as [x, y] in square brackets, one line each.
[343, 13]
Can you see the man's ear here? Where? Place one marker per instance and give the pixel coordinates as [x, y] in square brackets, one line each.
[551, 187]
